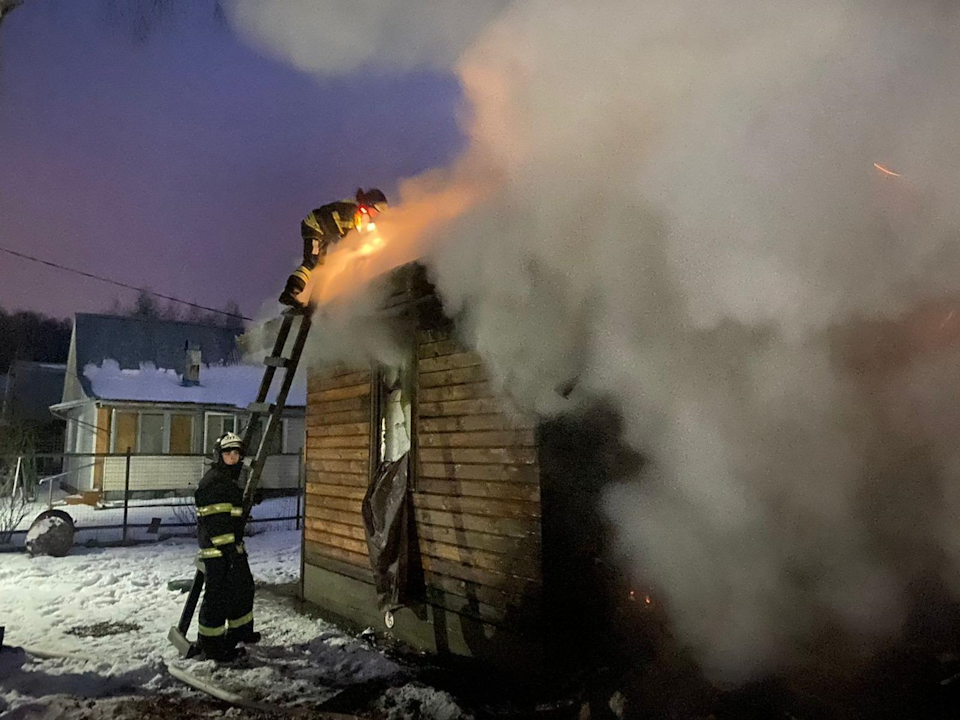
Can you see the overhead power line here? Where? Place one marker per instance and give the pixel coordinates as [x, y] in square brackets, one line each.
[119, 284]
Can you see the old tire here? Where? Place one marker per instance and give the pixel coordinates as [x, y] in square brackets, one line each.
[50, 534]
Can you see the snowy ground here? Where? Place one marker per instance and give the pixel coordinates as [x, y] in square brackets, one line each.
[51, 603]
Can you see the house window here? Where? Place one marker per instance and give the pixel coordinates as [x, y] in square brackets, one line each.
[151, 434]
[181, 433]
[395, 408]
[293, 434]
[276, 443]
[216, 425]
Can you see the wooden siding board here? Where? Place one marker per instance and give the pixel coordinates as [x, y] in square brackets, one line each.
[487, 439]
[320, 454]
[507, 527]
[330, 540]
[448, 408]
[335, 528]
[480, 489]
[336, 406]
[314, 554]
[523, 566]
[338, 466]
[330, 478]
[341, 393]
[338, 441]
[352, 378]
[444, 393]
[439, 347]
[479, 456]
[475, 423]
[343, 430]
[318, 419]
[513, 587]
[459, 376]
[315, 509]
[480, 540]
[478, 506]
[464, 588]
[336, 491]
[459, 471]
[449, 362]
[337, 503]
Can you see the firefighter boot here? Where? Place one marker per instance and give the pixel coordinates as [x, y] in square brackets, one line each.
[245, 636]
[295, 285]
[218, 650]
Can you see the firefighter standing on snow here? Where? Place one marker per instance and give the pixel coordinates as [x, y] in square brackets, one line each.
[326, 225]
[226, 613]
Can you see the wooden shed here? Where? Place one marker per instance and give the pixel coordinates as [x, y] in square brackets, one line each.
[503, 509]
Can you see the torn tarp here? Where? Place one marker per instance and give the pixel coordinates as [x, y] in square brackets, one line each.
[386, 519]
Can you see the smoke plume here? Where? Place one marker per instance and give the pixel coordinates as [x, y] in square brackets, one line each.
[680, 208]
[340, 36]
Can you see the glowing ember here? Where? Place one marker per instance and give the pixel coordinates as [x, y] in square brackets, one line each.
[884, 170]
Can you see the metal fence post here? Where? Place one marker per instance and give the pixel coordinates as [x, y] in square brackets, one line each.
[300, 478]
[126, 496]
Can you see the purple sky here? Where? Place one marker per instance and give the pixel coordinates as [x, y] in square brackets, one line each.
[184, 162]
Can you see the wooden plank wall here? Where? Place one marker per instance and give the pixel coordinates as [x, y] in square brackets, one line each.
[337, 457]
[477, 499]
[476, 487]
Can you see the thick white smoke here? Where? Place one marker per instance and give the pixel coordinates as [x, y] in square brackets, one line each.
[340, 36]
[687, 216]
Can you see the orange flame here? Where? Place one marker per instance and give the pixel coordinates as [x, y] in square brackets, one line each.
[400, 235]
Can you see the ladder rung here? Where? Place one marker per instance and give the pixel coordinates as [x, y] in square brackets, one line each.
[258, 407]
[277, 362]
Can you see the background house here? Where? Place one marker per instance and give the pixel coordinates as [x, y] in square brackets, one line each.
[163, 390]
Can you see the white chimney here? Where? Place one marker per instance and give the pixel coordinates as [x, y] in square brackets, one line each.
[191, 368]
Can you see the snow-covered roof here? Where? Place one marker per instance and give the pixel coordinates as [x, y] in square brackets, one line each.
[219, 384]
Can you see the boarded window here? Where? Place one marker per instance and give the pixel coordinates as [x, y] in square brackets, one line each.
[151, 434]
[125, 432]
[181, 434]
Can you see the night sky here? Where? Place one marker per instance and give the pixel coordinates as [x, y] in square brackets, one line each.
[180, 158]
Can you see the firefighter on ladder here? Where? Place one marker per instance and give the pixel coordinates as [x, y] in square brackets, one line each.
[226, 613]
[326, 225]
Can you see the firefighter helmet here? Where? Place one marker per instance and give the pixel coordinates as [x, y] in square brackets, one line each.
[227, 441]
[372, 197]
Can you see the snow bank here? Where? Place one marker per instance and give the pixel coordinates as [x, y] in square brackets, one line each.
[419, 702]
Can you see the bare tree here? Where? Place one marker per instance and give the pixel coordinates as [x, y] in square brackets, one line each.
[14, 506]
[6, 6]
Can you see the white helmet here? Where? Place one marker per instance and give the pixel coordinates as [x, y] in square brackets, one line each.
[227, 441]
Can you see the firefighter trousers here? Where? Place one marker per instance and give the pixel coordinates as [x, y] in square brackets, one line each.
[226, 612]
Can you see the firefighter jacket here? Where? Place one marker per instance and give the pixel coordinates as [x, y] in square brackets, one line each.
[219, 509]
[325, 225]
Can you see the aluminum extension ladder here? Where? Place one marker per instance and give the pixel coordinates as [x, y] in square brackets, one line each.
[259, 409]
